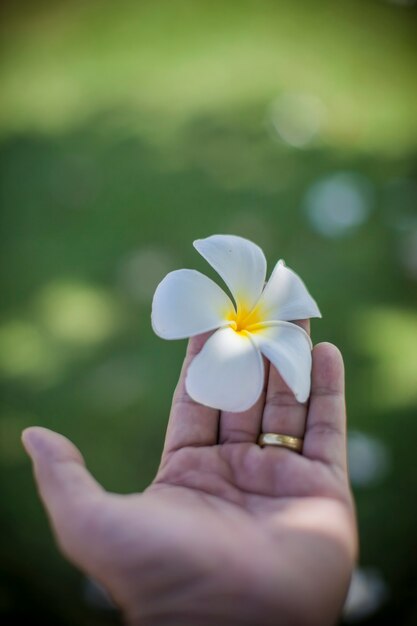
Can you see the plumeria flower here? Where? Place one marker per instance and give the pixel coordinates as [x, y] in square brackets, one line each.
[228, 373]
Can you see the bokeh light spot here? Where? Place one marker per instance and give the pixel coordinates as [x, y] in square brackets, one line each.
[369, 459]
[25, 351]
[297, 118]
[78, 313]
[388, 336]
[339, 204]
[367, 592]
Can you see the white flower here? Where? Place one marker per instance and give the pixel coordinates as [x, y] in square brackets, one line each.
[228, 373]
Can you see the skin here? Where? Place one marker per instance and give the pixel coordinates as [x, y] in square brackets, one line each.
[228, 533]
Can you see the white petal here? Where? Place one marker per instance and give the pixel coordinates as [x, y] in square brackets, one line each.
[228, 373]
[288, 347]
[187, 303]
[286, 297]
[240, 263]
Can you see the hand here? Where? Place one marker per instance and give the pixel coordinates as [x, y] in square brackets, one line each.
[228, 533]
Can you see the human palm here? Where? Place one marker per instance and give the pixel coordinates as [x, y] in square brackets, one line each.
[228, 532]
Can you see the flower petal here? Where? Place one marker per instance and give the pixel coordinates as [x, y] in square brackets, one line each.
[228, 373]
[187, 303]
[286, 297]
[240, 263]
[288, 347]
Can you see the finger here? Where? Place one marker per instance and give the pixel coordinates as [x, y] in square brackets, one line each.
[282, 413]
[325, 438]
[68, 491]
[190, 423]
[245, 426]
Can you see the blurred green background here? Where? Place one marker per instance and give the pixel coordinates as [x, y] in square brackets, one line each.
[130, 128]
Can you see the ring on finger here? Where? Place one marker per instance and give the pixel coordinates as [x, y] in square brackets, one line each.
[283, 441]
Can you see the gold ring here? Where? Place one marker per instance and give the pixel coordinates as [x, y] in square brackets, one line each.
[284, 441]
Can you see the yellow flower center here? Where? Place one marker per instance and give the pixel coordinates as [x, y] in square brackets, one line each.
[244, 320]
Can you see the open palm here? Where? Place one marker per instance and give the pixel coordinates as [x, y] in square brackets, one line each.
[228, 532]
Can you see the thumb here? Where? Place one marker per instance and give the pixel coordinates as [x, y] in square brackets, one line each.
[71, 496]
